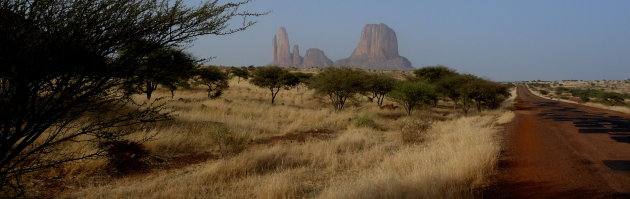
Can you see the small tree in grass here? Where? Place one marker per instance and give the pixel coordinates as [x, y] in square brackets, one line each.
[274, 78]
[450, 87]
[377, 86]
[164, 66]
[482, 93]
[339, 84]
[214, 79]
[239, 72]
[410, 94]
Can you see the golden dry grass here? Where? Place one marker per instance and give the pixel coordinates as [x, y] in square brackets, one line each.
[301, 148]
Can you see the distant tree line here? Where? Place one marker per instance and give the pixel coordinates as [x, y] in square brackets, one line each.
[426, 88]
[585, 95]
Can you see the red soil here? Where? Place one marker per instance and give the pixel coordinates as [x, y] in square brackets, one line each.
[561, 150]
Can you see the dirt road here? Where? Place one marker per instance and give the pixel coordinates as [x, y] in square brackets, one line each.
[562, 150]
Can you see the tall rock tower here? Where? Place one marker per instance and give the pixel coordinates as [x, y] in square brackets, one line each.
[377, 49]
[282, 49]
[297, 59]
[282, 55]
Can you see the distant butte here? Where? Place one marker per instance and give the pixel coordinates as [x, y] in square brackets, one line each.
[377, 50]
[315, 58]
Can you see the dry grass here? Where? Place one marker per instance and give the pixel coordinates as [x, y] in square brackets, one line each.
[301, 148]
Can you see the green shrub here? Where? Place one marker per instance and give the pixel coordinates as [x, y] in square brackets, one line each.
[544, 92]
[611, 98]
[366, 120]
[227, 141]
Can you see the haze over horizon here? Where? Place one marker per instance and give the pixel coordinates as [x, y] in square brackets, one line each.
[498, 40]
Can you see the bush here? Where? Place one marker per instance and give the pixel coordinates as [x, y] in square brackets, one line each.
[544, 92]
[125, 156]
[414, 130]
[611, 98]
[227, 141]
[366, 120]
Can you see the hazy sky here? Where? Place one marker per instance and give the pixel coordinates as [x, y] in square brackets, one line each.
[500, 40]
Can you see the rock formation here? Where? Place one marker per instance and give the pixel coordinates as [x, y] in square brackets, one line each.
[283, 57]
[281, 49]
[297, 59]
[378, 49]
[316, 58]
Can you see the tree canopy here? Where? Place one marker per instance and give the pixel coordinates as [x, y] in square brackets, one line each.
[378, 85]
[410, 94]
[240, 72]
[339, 84]
[274, 78]
[164, 66]
[213, 78]
[433, 74]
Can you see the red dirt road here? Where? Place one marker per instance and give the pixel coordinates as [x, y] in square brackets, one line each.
[562, 150]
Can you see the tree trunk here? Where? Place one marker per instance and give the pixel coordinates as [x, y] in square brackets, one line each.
[150, 88]
[379, 100]
[479, 106]
[274, 94]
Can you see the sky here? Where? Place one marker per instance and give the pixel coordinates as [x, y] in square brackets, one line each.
[499, 40]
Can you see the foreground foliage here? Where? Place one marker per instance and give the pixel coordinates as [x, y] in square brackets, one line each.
[62, 72]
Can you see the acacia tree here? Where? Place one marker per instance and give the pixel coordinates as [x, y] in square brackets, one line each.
[450, 87]
[481, 93]
[164, 66]
[62, 71]
[339, 84]
[410, 94]
[377, 86]
[214, 79]
[432, 74]
[274, 78]
[239, 72]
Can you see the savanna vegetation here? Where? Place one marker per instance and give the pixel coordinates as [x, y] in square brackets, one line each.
[96, 114]
[613, 95]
